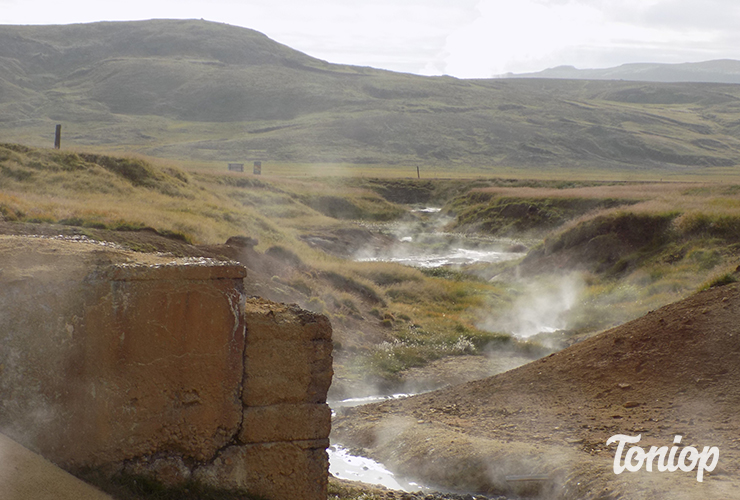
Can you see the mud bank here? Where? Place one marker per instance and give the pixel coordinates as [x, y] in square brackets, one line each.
[673, 372]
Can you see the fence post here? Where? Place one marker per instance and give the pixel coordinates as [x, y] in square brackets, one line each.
[58, 138]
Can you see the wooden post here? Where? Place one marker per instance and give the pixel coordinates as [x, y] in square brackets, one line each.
[58, 138]
[418, 175]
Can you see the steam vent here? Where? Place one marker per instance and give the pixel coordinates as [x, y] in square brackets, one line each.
[140, 364]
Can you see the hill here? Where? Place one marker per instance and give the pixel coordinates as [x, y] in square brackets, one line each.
[670, 373]
[213, 93]
[718, 71]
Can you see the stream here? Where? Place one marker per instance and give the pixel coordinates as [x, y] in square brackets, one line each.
[421, 248]
[344, 465]
[426, 245]
[430, 250]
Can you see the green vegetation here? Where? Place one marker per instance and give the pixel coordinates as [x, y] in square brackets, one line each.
[386, 317]
[637, 258]
[721, 280]
[489, 212]
[633, 247]
[209, 93]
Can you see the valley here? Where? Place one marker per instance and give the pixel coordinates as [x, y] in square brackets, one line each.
[581, 257]
[514, 269]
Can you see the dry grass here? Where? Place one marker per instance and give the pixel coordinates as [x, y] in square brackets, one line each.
[422, 316]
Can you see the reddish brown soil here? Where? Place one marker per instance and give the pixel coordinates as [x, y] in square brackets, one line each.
[675, 371]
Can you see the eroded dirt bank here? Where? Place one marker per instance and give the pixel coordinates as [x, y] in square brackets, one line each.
[675, 371]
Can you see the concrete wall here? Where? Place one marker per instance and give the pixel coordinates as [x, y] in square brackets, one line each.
[161, 368]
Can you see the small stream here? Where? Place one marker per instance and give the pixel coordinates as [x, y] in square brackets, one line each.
[422, 249]
[344, 465]
[426, 245]
[455, 256]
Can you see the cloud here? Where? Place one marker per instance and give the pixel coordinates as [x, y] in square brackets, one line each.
[401, 36]
[510, 35]
[692, 15]
[530, 35]
[464, 38]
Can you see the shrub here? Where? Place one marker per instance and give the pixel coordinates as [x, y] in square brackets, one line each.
[285, 255]
[722, 280]
[352, 286]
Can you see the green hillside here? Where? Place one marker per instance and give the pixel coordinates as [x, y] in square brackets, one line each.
[211, 92]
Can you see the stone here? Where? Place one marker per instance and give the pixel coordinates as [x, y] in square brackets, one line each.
[170, 471]
[287, 355]
[105, 360]
[242, 241]
[285, 422]
[136, 363]
[272, 470]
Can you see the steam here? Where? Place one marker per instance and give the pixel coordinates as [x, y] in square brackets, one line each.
[422, 242]
[542, 307]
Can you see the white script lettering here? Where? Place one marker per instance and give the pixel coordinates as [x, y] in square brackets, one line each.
[688, 459]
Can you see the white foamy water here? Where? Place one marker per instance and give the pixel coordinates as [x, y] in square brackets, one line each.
[453, 257]
[350, 402]
[344, 465]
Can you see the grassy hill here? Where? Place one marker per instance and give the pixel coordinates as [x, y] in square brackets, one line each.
[212, 93]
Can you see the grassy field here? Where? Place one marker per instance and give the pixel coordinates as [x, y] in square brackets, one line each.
[386, 317]
[633, 248]
[622, 248]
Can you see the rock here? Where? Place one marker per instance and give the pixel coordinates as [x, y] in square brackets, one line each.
[517, 248]
[269, 470]
[162, 369]
[170, 471]
[242, 241]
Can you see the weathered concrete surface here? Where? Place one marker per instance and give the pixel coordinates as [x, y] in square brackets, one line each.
[25, 475]
[287, 355]
[291, 469]
[139, 364]
[163, 353]
[124, 361]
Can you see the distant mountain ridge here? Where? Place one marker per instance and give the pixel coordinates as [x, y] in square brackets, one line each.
[211, 92]
[717, 71]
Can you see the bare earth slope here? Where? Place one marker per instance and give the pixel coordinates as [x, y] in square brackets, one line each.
[675, 371]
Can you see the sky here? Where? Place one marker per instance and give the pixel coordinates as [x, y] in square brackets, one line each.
[461, 38]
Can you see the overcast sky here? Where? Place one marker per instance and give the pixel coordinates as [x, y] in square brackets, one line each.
[462, 38]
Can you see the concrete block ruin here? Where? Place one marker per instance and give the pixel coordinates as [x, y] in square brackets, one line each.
[133, 363]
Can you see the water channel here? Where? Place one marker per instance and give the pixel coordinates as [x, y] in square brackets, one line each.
[421, 246]
[344, 465]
